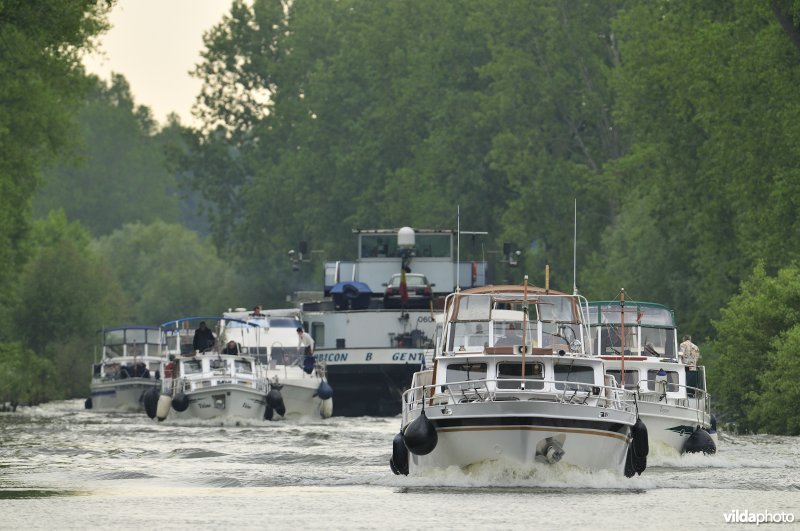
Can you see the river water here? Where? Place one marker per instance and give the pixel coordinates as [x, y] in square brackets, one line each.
[62, 467]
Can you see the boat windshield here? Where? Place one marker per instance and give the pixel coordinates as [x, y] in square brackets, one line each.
[658, 342]
[135, 339]
[192, 366]
[284, 322]
[243, 367]
[557, 308]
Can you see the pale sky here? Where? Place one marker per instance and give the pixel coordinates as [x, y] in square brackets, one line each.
[154, 44]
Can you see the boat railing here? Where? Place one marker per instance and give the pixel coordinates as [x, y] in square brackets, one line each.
[509, 389]
[200, 381]
[688, 397]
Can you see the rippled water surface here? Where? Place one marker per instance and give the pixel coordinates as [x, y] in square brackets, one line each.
[62, 467]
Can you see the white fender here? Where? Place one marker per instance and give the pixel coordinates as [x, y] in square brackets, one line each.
[162, 409]
[326, 408]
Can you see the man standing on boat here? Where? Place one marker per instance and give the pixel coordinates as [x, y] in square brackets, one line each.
[203, 338]
[305, 344]
[689, 354]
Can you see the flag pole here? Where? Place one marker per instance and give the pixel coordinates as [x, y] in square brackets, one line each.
[524, 329]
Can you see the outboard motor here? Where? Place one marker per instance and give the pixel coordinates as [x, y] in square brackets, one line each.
[150, 401]
[88, 403]
[420, 436]
[399, 460]
[700, 441]
[162, 409]
[180, 402]
[275, 401]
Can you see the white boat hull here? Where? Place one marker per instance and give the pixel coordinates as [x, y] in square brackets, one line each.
[223, 402]
[520, 432]
[299, 397]
[120, 395]
[671, 425]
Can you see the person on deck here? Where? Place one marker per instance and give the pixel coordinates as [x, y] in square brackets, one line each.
[689, 354]
[305, 343]
[231, 348]
[203, 338]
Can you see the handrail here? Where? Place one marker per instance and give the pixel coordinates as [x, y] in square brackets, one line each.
[486, 390]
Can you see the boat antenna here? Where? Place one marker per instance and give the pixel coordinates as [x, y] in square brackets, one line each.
[622, 322]
[524, 328]
[458, 247]
[575, 248]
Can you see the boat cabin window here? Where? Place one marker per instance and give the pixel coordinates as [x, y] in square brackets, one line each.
[655, 316]
[243, 367]
[192, 367]
[631, 378]
[461, 372]
[661, 340]
[469, 335]
[510, 333]
[217, 364]
[574, 373]
[611, 340]
[554, 308]
[559, 335]
[317, 331]
[511, 372]
[473, 307]
[284, 322]
[425, 245]
[672, 381]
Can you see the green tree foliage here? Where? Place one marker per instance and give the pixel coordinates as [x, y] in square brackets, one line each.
[168, 272]
[753, 369]
[67, 293]
[119, 174]
[395, 113]
[25, 378]
[41, 83]
[673, 124]
[709, 180]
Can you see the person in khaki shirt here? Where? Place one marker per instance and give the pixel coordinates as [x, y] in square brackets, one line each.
[689, 353]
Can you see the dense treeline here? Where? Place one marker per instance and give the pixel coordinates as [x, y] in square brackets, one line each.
[674, 126]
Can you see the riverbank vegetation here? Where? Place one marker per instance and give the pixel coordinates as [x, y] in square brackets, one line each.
[673, 125]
